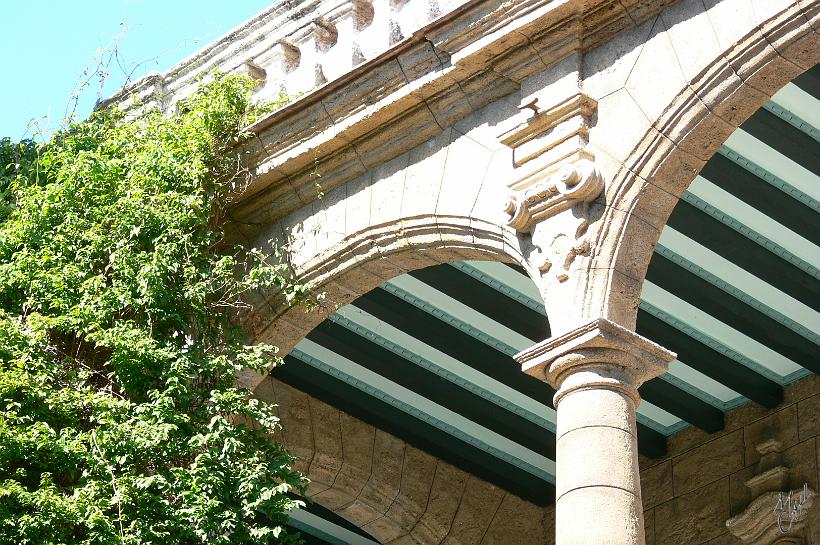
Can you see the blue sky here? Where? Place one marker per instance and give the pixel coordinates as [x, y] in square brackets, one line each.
[46, 44]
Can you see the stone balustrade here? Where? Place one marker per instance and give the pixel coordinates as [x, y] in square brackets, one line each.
[292, 47]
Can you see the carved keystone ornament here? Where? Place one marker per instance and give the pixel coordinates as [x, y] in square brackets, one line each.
[564, 178]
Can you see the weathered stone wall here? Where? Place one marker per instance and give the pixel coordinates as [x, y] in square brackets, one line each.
[689, 494]
[403, 496]
[394, 491]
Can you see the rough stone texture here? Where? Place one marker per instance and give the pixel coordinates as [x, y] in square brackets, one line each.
[442, 504]
[708, 462]
[413, 174]
[781, 426]
[710, 471]
[656, 484]
[396, 492]
[516, 520]
[808, 415]
[327, 459]
[649, 526]
[475, 512]
[402, 495]
[695, 517]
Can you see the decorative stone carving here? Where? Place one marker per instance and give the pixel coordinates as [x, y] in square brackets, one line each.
[775, 516]
[565, 177]
[575, 183]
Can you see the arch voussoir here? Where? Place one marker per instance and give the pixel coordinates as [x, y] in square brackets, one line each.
[759, 53]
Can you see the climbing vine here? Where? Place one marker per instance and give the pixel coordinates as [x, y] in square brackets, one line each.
[120, 336]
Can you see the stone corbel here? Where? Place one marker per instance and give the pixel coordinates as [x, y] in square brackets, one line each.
[561, 175]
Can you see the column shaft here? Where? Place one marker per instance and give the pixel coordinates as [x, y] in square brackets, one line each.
[596, 370]
[598, 496]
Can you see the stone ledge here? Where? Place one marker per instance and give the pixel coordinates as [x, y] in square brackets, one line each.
[443, 67]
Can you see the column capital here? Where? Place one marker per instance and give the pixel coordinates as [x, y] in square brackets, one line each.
[600, 354]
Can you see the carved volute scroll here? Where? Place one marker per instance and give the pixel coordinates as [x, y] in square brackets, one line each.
[561, 176]
[776, 515]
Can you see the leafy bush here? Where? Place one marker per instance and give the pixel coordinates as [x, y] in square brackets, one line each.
[119, 336]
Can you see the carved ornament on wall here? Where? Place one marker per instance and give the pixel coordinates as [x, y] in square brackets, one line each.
[562, 177]
[776, 515]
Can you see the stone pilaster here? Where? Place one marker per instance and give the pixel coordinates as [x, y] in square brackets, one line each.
[596, 370]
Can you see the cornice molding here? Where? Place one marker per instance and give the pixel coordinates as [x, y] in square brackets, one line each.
[447, 67]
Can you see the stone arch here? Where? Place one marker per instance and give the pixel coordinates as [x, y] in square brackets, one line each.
[766, 47]
[363, 261]
[398, 494]
[436, 203]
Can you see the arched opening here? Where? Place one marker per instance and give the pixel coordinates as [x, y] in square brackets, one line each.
[733, 284]
[426, 357]
[401, 399]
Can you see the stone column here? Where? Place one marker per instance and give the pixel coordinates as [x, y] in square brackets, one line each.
[596, 370]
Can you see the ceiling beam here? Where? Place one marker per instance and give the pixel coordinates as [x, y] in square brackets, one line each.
[785, 138]
[745, 253]
[809, 81]
[760, 194]
[508, 312]
[682, 404]
[483, 298]
[710, 362]
[482, 357]
[404, 372]
[396, 422]
[733, 312]
[452, 341]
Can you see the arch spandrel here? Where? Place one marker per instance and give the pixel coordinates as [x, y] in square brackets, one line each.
[714, 90]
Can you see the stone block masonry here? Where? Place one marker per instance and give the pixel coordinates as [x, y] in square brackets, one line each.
[401, 495]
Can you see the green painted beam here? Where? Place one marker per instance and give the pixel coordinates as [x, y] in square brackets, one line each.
[809, 81]
[763, 196]
[414, 431]
[463, 347]
[785, 138]
[663, 394]
[733, 312]
[745, 253]
[489, 302]
[709, 361]
[404, 372]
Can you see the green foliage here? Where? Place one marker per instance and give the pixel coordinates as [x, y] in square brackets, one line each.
[119, 337]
